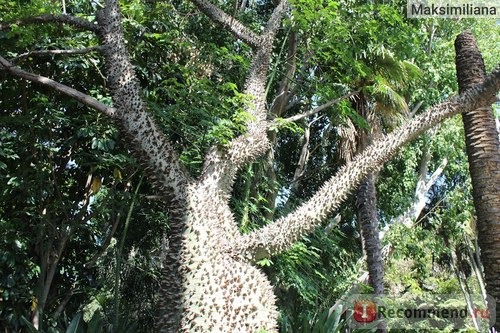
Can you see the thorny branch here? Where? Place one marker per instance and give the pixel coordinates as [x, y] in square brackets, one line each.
[254, 142]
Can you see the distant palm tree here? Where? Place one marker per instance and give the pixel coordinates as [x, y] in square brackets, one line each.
[482, 144]
[380, 106]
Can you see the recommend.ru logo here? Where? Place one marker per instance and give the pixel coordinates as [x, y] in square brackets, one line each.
[428, 311]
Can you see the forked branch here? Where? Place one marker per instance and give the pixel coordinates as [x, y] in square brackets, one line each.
[254, 142]
[282, 233]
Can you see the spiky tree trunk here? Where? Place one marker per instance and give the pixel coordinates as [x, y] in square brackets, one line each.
[482, 145]
[211, 283]
[207, 286]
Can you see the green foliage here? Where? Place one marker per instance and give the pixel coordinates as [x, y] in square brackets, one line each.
[345, 110]
[29, 326]
[309, 276]
[45, 168]
[6, 148]
[283, 124]
[398, 181]
[332, 320]
[74, 325]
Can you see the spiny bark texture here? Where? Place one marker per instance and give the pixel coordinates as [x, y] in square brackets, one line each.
[219, 290]
[131, 110]
[150, 145]
[482, 146]
[228, 22]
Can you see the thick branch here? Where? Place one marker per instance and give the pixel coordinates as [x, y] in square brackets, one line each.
[255, 141]
[147, 139]
[422, 189]
[409, 217]
[76, 22]
[282, 233]
[228, 22]
[77, 95]
[64, 52]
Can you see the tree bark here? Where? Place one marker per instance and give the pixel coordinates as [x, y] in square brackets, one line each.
[366, 208]
[482, 146]
[366, 204]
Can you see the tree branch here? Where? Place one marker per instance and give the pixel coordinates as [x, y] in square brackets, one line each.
[254, 142]
[278, 106]
[76, 22]
[77, 95]
[63, 303]
[68, 52]
[285, 231]
[409, 217]
[147, 140]
[228, 22]
[304, 155]
[414, 110]
[319, 108]
[275, 19]
[105, 245]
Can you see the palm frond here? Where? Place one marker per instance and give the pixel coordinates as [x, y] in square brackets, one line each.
[387, 101]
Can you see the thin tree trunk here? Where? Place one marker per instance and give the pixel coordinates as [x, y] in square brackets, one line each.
[366, 203]
[462, 282]
[482, 144]
[278, 108]
[478, 272]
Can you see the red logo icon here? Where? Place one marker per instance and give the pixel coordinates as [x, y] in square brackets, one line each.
[365, 311]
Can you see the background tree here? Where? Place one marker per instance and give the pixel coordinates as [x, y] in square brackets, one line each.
[377, 103]
[482, 144]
